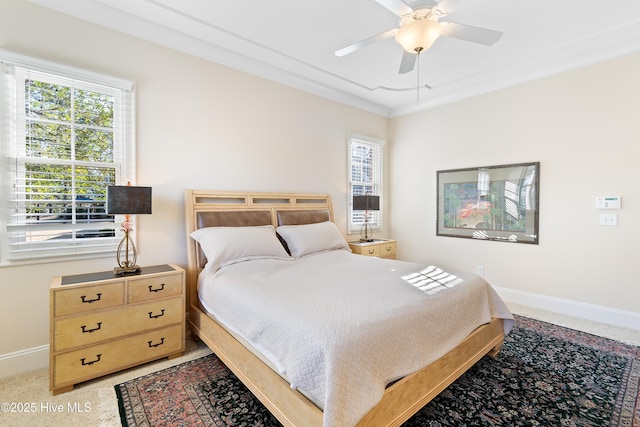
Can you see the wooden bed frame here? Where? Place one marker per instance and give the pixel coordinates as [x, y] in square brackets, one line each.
[401, 400]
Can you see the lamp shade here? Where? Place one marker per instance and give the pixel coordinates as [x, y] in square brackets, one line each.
[366, 203]
[418, 35]
[128, 200]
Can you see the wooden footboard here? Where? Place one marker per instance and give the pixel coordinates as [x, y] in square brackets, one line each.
[400, 401]
[408, 395]
[289, 406]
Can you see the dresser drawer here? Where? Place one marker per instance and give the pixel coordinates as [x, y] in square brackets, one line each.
[149, 288]
[92, 328]
[87, 298]
[79, 365]
[101, 323]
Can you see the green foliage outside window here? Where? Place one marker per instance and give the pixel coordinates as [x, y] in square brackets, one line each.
[69, 153]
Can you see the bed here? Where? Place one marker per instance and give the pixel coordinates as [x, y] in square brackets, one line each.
[267, 371]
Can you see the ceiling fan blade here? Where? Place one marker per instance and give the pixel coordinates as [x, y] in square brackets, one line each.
[470, 33]
[396, 6]
[408, 62]
[449, 6]
[419, 4]
[362, 43]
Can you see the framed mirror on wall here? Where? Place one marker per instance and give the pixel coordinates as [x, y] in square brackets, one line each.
[499, 203]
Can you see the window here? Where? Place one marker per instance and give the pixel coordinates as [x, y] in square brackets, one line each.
[66, 135]
[365, 177]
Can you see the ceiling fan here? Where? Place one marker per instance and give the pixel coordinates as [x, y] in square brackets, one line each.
[420, 27]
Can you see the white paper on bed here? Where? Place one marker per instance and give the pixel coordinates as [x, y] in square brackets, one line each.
[342, 326]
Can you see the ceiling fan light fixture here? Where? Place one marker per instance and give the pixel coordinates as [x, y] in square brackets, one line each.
[418, 35]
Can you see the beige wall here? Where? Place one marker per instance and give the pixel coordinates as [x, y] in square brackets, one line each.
[199, 125]
[584, 128]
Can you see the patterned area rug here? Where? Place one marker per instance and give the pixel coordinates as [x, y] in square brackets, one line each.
[545, 375]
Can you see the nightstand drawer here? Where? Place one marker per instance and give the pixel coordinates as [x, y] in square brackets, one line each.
[91, 328]
[88, 298]
[150, 288]
[381, 248]
[369, 250]
[87, 363]
[387, 250]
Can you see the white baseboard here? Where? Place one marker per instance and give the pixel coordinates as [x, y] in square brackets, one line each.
[596, 313]
[24, 361]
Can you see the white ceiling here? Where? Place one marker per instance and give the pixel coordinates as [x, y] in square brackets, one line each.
[293, 42]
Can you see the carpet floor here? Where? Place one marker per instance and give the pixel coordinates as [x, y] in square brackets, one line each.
[544, 375]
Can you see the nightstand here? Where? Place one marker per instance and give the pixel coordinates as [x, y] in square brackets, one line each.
[100, 324]
[383, 248]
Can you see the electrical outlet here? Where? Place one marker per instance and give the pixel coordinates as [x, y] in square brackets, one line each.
[480, 270]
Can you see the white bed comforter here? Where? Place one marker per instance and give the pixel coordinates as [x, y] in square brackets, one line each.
[341, 326]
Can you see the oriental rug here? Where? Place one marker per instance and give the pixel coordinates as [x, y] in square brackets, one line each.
[544, 375]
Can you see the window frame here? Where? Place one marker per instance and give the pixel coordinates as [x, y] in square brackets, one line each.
[375, 218]
[13, 67]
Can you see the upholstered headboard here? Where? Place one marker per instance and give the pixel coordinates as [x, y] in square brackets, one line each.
[233, 218]
[236, 209]
[297, 217]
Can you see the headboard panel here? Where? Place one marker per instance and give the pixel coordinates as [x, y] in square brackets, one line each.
[297, 217]
[230, 218]
[232, 209]
[233, 218]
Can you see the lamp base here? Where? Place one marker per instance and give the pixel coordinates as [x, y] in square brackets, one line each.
[127, 271]
[127, 266]
[366, 233]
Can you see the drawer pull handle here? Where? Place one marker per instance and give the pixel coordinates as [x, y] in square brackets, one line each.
[372, 251]
[89, 301]
[161, 288]
[157, 345]
[85, 330]
[155, 316]
[388, 248]
[92, 362]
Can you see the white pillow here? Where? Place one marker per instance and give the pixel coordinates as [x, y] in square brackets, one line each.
[226, 245]
[308, 239]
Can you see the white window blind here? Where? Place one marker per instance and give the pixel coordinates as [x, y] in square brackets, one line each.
[66, 135]
[365, 178]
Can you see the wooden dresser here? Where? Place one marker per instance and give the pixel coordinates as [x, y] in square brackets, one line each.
[101, 323]
[382, 248]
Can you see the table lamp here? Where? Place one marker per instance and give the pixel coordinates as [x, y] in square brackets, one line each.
[127, 200]
[366, 203]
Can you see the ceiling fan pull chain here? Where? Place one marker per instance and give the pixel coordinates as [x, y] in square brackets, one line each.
[418, 83]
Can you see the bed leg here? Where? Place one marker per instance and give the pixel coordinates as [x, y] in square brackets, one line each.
[495, 350]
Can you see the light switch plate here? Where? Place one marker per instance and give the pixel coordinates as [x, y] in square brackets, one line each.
[608, 219]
